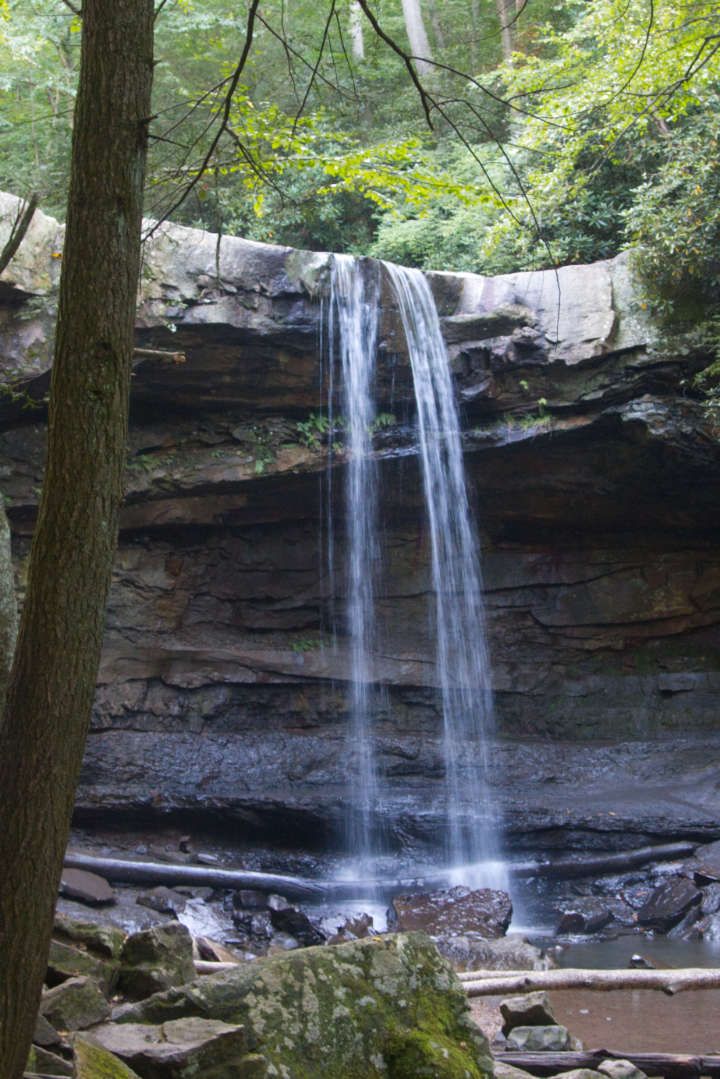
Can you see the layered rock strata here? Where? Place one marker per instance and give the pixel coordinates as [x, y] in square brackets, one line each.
[594, 476]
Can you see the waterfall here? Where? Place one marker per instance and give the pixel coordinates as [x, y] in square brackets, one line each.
[463, 664]
[352, 342]
[458, 617]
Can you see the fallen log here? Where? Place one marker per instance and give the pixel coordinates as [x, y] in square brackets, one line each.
[207, 966]
[132, 872]
[611, 862]
[668, 981]
[169, 873]
[668, 1065]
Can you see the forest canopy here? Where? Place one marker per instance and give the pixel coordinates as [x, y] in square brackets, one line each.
[550, 133]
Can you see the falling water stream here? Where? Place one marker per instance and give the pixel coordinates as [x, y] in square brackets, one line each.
[458, 617]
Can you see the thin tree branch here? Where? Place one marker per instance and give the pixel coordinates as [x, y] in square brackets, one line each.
[19, 228]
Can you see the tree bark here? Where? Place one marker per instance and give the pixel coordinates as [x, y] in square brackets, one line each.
[506, 14]
[476, 984]
[8, 604]
[42, 734]
[669, 1065]
[417, 36]
[357, 36]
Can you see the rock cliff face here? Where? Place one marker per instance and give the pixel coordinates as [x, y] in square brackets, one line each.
[595, 483]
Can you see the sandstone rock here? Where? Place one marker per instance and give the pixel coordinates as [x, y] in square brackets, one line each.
[178, 1049]
[74, 1005]
[620, 1069]
[454, 911]
[44, 1063]
[94, 1062]
[668, 903]
[215, 952]
[708, 928]
[289, 919]
[344, 1011]
[470, 951]
[581, 1073]
[163, 900]
[710, 902]
[102, 940]
[65, 961]
[86, 887]
[706, 862]
[537, 1039]
[156, 959]
[585, 915]
[531, 1010]
[45, 1034]
[508, 1071]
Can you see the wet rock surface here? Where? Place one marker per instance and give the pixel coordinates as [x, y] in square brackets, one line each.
[454, 912]
[220, 696]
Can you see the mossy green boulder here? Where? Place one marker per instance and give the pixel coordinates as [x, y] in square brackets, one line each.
[382, 1008]
[94, 1062]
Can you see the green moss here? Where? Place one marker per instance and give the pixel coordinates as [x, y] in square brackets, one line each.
[418, 1055]
[339, 1011]
[93, 1062]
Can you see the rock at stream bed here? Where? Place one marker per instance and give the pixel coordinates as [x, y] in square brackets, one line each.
[74, 1005]
[156, 959]
[532, 1039]
[387, 1007]
[454, 911]
[94, 1062]
[620, 1069]
[584, 915]
[86, 887]
[187, 1048]
[668, 903]
[531, 1010]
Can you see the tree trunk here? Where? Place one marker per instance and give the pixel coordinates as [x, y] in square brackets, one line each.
[357, 37]
[44, 726]
[8, 604]
[477, 984]
[506, 14]
[669, 1065]
[417, 36]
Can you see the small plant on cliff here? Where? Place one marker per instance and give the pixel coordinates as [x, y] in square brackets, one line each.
[312, 430]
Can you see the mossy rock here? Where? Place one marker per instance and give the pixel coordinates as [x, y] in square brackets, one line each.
[94, 1062]
[416, 1054]
[355, 1010]
[101, 940]
[156, 959]
[66, 961]
[42, 1062]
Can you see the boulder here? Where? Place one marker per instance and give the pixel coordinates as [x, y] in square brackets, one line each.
[43, 1062]
[66, 961]
[179, 1049]
[86, 887]
[531, 1010]
[620, 1069]
[94, 1062]
[508, 1071]
[75, 1004]
[706, 863]
[163, 900]
[708, 928]
[289, 919]
[710, 902]
[102, 940]
[386, 1007]
[156, 959]
[470, 951]
[668, 903]
[534, 1039]
[45, 1034]
[585, 915]
[454, 911]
